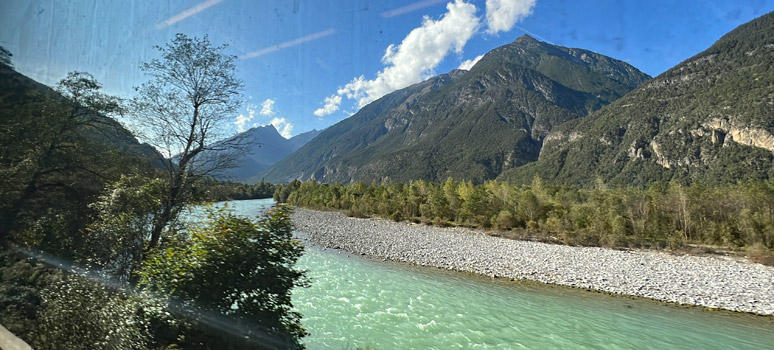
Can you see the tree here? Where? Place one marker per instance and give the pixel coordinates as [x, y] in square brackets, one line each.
[78, 313]
[681, 206]
[192, 95]
[528, 206]
[123, 216]
[237, 268]
[53, 147]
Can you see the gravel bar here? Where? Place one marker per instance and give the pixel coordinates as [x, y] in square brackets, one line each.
[709, 281]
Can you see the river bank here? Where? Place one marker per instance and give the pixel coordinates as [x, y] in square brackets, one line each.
[708, 281]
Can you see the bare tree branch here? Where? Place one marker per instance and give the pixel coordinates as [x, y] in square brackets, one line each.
[183, 111]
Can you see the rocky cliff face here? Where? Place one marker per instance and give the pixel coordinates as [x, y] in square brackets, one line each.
[470, 125]
[724, 131]
[709, 119]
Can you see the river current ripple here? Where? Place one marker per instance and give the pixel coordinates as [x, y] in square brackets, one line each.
[356, 301]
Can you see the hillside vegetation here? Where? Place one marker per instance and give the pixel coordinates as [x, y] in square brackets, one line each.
[708, 119]
[81, 199]
[471, 125]
[663, 216]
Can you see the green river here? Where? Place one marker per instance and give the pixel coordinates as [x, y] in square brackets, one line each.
[356, 301]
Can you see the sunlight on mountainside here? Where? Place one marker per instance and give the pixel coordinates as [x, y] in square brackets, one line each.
[232, 174]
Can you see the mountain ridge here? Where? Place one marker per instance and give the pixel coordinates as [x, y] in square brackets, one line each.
[708, 119]
[464, 124]
[19, 89]
[263, 147]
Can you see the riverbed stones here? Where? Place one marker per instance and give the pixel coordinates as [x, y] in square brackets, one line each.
[709, 281]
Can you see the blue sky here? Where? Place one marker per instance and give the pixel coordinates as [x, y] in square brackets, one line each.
[311, 63]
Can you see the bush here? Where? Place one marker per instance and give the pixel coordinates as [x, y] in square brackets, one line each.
[504, 220]
[236, 272]
[80, 314]
[760, 254]
[482, 221]
[553, 225]
[437, 221]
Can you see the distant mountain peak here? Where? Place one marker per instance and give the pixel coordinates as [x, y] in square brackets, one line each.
[526, 39]
[455, 73]
[264, 147]
[260, 127]
[464, 124]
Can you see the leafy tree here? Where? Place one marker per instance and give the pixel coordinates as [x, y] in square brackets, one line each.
[450, 192]
[528, 206]
[50, 149]
[123, 217]
[504, 220]
[182, 111]
[283, 191]
[239, 269]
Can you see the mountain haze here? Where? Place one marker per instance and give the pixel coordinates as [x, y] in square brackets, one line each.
[464, 124]
[264, 147]
[708, 119]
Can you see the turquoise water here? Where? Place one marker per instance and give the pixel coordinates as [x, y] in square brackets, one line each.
[355, 301]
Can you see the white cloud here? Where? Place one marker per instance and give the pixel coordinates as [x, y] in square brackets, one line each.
[502, 15]
[332, 104]
[267, 107]
[416, 57]
[242, 120]
[283, 126]
[468, 64]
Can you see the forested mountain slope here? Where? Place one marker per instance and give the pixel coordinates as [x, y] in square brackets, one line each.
[58, 150]
[468, 125]
[18, 93]
[708, 119]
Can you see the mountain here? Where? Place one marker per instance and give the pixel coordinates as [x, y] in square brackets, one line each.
[57, 152]
[301, 139]
[264, 147]
[464, 124]
[708, 119]
[18, 92]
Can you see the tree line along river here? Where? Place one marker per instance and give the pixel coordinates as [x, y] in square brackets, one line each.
[357, 301]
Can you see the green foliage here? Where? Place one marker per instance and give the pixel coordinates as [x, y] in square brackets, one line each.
[237, 269]
[80, 314]
[124, 213]
[282, 192]
[57, 150]
[667, 215]
[212, 190]
[678, 126]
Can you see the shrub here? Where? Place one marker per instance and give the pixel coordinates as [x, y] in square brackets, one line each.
[236, 272]
[77, 313]
[760, 254]
[504, 220]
